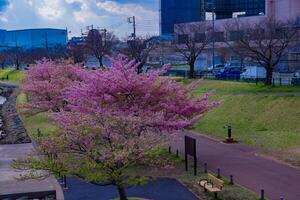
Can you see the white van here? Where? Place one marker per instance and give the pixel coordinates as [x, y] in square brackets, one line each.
[253, 72]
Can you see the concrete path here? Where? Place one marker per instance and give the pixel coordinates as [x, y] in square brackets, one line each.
[8, 182]
[248, 168]
[160, 189]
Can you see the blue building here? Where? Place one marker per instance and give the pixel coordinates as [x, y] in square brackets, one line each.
[178, 11]
[33, 38]
[225, 8]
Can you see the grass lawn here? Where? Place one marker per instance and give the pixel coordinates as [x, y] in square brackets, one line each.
[259, 118]
[34, 122]
[14, 75]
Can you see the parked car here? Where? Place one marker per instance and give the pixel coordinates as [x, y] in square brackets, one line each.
[232, 73]
[218, 69]
[253, 72]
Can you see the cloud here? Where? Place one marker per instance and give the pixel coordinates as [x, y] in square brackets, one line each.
[77, 14]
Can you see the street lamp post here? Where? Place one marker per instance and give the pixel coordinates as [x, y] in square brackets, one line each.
[213, 37]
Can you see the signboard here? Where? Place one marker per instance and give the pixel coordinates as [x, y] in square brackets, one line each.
[190, 149]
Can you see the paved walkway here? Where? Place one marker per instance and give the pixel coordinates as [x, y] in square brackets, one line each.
[8, 182]
[161, 189]
[248, 168]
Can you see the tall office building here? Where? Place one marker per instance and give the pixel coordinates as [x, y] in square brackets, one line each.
[226, 8]
[178, 11]
[184, 11]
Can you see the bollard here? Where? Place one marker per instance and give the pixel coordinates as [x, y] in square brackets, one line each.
[229, 132]
[177, 154]
[205, 167]
[65, 182]
[262, 194]
[39, 132]
[231, 180]
[61, 179]
[7, 77]
[219, 173]
[170, 150]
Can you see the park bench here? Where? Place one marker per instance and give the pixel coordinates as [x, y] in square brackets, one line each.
[212, 184]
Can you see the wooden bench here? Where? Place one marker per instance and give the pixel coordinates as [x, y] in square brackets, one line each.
[212, 184]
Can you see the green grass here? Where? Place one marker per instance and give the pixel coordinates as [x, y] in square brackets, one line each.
[15, 76]
[34, 122]
[258, 117]
[239, 87]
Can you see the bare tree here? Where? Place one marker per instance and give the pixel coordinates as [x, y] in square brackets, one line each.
[139, 50]
[17, 56]
[3, 58]
[190, 42]
[99, 44]
[76, 52]
[265, 42]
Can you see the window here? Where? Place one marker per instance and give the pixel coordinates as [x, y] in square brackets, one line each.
[183, 38]
[219, 37]
[236, 35]
[200, 37]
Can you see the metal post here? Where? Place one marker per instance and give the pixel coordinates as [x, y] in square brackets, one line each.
[280, 82]
[195, 159]
[219, 173]
[170, 150]
[213, 35]
[231, 180]
[65, 182]
[262, 194]
[134, 26]
[39, 132]
[205, 167]
[229, 132]
[61, 179]
[177, 153]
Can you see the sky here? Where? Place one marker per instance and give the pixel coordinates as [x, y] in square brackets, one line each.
[78, 14]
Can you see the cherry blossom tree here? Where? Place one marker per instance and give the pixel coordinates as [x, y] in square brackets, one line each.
[45, 84]
[116, 120]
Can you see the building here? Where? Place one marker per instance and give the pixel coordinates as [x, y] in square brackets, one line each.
[247, 12]
[227, 8]
[178, 11]
[33, 38]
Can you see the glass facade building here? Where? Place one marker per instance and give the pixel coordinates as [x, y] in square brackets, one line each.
[226, 8]
[33, 38]
[182, 11]
[178, 11]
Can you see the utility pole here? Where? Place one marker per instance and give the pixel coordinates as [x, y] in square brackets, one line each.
[131, 20]
[105, 33]
[213, 40]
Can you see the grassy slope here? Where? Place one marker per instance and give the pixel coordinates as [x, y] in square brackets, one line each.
[13, 75]
[258, 118]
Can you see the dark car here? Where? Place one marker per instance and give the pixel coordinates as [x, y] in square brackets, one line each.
[232, 73]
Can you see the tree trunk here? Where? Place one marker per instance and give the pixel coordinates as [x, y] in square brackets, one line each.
[18, 66]
[122, 193]
[100, 62]
[140, 67]
[192, 69]
[269, 76]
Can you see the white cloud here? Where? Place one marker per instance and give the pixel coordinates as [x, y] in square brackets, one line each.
[51, 10]
[77, 14]
[126, 9]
